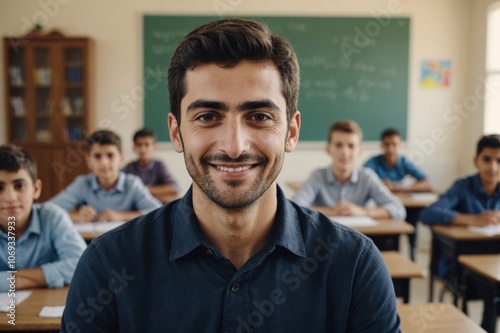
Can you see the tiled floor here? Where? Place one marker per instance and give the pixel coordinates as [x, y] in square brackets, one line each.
[419, 287]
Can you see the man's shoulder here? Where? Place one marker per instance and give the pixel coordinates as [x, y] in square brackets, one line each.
[50, 215]
[130, 166]
[315, 225]
[366, 173]
[375, 160]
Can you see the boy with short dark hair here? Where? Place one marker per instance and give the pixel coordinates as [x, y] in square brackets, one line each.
[472, 200]
[153, 172]
[392, 167]
[342, 189]
[106, 194]
[47, 246]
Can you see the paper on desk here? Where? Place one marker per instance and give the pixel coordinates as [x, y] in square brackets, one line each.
[52, 311]
[489, 230]
[5, 299]
[424, 197]
[98, 227]
[355, 221]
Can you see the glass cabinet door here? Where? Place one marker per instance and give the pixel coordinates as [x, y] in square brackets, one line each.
[43, 99]
[73, 107]
[17, 95]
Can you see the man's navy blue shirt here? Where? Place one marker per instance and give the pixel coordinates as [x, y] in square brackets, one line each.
[157, 274]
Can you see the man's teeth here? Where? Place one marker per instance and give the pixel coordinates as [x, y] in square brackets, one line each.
[239, 169]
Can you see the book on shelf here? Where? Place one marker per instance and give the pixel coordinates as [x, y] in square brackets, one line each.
[17, 103]
[74, 74]
[72, 107]
[16, 76]
[74, 134]
[43, 76]
[45, 108]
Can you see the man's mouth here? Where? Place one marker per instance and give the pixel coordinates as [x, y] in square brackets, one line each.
[234, 169]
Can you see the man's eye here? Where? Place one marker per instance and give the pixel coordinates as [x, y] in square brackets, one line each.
[19, 186]
[260, 117]
[205, 118]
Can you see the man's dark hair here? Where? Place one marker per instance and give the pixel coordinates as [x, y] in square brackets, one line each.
[104, 137]
[388, 133]
[144, 133]
[488, 141]
[13, 158]
[227, 43]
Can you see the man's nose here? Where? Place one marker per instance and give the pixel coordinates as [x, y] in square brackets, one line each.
[234, 138]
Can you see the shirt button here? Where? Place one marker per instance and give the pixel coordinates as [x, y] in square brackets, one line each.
[210, 253]
[235, 287]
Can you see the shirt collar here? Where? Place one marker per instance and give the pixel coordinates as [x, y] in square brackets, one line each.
[479, 189]
[187, 236]
[120, 185]
[34, 226]
[331, 179]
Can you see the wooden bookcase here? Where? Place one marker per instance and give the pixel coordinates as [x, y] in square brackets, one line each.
[49, 103]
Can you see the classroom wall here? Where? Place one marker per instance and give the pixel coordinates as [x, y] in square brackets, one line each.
[441, 29]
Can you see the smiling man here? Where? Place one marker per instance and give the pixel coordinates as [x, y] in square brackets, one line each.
[233, 255]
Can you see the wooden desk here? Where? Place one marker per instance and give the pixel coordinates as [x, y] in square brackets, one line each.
[435, 318]
[483, 272]
[409, 202]
[27, 318]
[455, 241]
[386, 234]
[401, 270]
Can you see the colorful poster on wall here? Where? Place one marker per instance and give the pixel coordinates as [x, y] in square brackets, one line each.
[435, 74]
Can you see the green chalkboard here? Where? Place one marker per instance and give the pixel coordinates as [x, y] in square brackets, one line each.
[351, 68]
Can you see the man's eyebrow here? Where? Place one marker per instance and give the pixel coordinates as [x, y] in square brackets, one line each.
[206, 104]
[262, 104]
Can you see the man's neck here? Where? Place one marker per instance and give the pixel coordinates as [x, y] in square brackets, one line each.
[489, 188]
[144, 163]
[238, 235]
[391, 162]
[107, 184]
[342, 176]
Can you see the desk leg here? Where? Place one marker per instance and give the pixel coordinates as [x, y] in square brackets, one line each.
[489, 322]
[402, 289]
[412, 216]
[435, 250]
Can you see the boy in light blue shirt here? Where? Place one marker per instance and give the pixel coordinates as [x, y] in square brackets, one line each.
[344, 190]
[107, 194]
[36, 240]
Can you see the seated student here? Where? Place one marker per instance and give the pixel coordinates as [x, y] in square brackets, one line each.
[473, 200]
[106, 194]
[153, 172]
[392, 167]
[47, 245]
[343, 189]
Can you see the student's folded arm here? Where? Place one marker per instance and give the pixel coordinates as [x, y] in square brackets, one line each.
[422, 185]
[378, 212]
[307, 193]
[69, 246]
[69, 199]
[372, 283]
[444, 210]
[384, 199]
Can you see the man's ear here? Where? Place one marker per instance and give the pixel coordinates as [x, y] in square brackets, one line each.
[293, 132]
[175, 134]
[37, 186]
